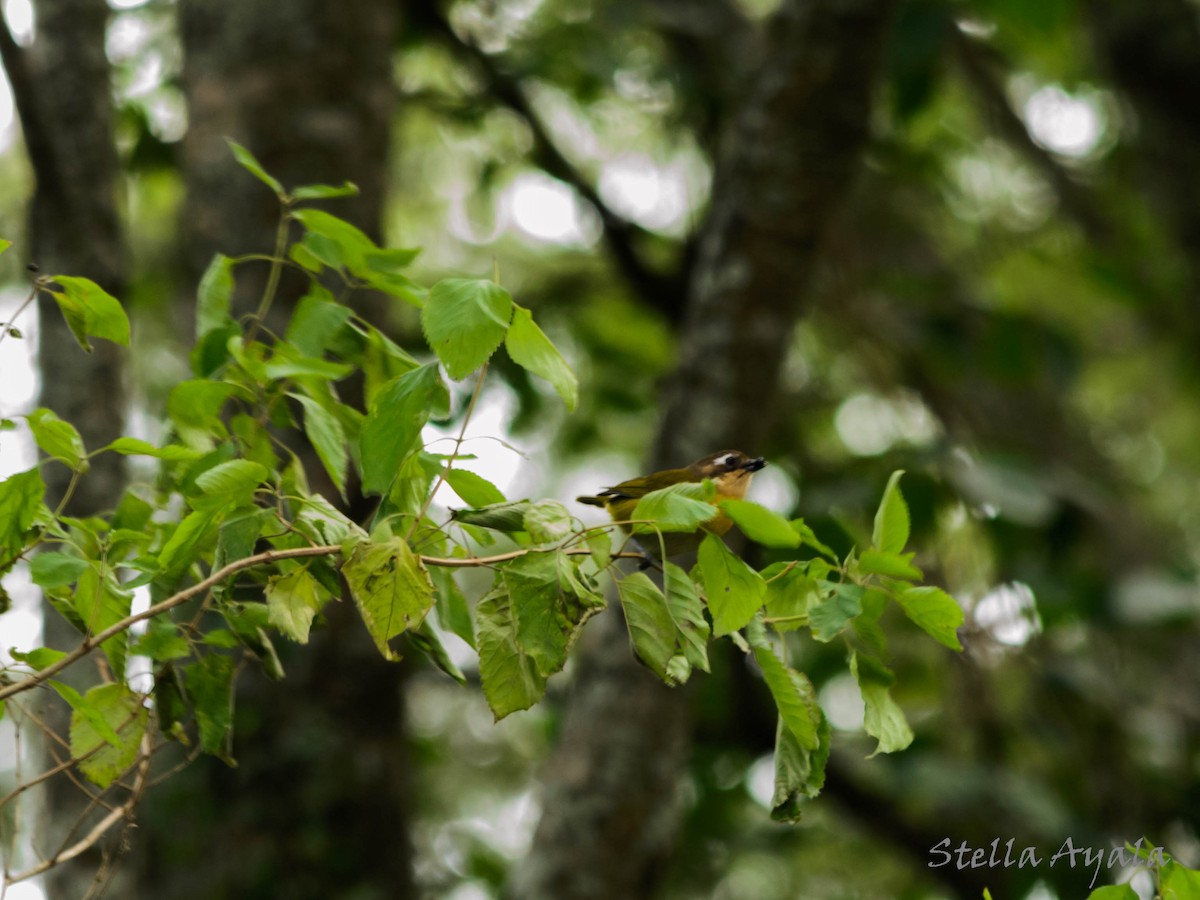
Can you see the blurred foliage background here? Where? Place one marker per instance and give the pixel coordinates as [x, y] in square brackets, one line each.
[990, 277]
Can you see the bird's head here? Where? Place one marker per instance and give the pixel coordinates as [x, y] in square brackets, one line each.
[730, 470]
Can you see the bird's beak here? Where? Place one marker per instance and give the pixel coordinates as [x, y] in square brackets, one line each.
[755, 464]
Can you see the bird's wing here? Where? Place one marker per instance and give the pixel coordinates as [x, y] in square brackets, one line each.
[636, 488]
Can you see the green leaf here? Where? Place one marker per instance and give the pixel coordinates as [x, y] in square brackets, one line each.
[891, 519]
[382, 360]
[91, 311]
[20, 502]
[510, 678]
[221, 637]
[195, 408]
[107, 727]
[760, 524]
[934, 611]
[75, 315]
[474, 490]
[303, 255]
[531, 349]
[414, 481]
[381, 274]
[650, 626]
[4, 245]
[686, 609]
[790, 590]
[101, 602]
[212, 350]
[343, 246]
[57, 439]
[680, 507]
[735, 591]
[891, 565]
[547, 612]
[229, 484]
[128, 446]
[428, 641]
[866, 624]
[325, 191]
[320, 521]
[599, 544]
[507, 517]
[836, 606]
[316, 251]
[247, 161]
[55, 570]
[794, 696]
[526, 626]
[1125, 892]
[452, 608]
[214, 295]
[884, 718]
[132, 512]
[185, 541]
[286, 362]
[162, 641]
[210, 688]
[315, 322]
[1177, 882]
[799, 772]
[170, 709]
[392, 429]
[547, 521]
[325, 433]
[391, 587]
[293, 600]
[464, 321]
[250, 622]
[38, 658]
[392, 259]
[238, 535]
[808, 536]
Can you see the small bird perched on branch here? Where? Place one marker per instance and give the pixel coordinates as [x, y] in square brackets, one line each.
[729, 470]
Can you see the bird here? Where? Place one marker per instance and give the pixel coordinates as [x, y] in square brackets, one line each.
[729, 470]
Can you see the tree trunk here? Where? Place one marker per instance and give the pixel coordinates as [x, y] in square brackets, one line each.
[610, 790]
[1152, 48]
[318, 804]
[74, 228]
[63, 97]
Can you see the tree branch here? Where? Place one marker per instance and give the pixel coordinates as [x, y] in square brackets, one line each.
[91, 643]
[34, 125]
[976, 62]
[662, 292]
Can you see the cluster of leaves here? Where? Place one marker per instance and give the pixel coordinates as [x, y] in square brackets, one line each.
[236, 551]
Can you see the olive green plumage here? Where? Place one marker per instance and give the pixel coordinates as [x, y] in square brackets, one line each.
[729, 470]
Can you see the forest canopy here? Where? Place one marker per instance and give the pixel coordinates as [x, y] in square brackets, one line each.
[318, 318]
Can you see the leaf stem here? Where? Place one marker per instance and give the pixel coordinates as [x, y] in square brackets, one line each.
[277, 261]
[4, 328]
[458, 442]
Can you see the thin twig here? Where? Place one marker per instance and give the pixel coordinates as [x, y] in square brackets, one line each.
[101, 827]
[24, 786]
[7, 326]
[458, 442]
[269, 556]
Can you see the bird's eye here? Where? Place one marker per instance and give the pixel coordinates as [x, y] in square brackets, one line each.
[729, 461]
